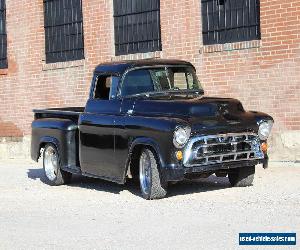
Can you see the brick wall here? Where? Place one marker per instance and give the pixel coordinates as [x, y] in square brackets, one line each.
[267, 75]
[264, 74]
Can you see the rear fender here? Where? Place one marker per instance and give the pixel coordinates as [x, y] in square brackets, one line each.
[43, 141]
[48, 139]
[60, 132]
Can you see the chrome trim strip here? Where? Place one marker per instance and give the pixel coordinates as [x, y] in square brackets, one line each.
[222, 155]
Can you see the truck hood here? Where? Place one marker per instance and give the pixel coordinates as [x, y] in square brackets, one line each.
[203, 113]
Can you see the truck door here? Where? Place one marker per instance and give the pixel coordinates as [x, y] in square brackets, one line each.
[127, 124]
[97, 130]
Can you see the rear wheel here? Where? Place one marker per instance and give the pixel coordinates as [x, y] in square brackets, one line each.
[51, 163]
[242, 177]
[152, 185]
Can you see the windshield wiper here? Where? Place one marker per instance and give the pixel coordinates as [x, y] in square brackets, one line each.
[185, 91]
[167, 93]
[147, 94]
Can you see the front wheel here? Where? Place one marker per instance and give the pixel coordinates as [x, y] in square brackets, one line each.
[152, 185]
[242, 177]
[54, 174]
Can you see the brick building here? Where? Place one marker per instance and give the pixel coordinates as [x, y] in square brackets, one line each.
[245, 49]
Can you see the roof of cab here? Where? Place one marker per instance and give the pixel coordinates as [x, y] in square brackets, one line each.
[121, 66]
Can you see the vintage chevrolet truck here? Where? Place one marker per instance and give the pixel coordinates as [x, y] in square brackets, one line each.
[149, 120]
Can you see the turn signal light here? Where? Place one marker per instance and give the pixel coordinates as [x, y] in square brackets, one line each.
[179, 155]
[264, 147]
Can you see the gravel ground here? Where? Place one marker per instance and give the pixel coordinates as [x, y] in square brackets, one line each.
[94, 214]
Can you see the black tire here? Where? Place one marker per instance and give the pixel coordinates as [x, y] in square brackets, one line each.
[241, 177]
[58, 176]
[156, 186]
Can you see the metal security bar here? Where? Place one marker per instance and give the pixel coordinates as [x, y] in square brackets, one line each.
[63, 30]
[3, 36]
[137, 26]
[226, 21]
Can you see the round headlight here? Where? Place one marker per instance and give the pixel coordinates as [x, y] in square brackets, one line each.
[264, 130]
[181, 136]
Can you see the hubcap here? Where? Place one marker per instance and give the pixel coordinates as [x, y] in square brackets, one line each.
[50, 163]
[145, 173]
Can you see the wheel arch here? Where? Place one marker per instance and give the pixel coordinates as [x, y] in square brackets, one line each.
[44, 141]
[135, 149]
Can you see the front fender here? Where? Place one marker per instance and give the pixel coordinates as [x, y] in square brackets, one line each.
[155, 132]
[260, 116]
[145, 141]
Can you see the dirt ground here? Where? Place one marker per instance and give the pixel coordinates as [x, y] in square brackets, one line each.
[95, 214]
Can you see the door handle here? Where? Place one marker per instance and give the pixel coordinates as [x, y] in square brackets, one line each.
[130, 112]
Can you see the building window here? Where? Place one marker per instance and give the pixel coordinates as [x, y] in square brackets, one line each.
[3, 36]
[137, 26]
[63, 30]
[227, 21]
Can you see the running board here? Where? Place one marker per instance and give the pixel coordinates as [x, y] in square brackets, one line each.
[72, 169]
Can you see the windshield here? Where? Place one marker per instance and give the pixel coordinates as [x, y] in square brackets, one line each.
[161, 80]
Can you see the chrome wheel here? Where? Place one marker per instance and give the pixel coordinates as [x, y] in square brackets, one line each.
[145, 173]
[51, 163]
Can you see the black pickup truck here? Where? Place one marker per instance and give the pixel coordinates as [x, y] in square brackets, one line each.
[149, 120]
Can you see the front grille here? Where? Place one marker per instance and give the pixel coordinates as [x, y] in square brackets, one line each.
[213, 149]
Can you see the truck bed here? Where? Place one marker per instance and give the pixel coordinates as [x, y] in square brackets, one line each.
[67, 112]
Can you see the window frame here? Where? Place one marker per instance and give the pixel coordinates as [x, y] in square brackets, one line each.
[133, 42]
[64, 33]
[216, 29]
[3, 35]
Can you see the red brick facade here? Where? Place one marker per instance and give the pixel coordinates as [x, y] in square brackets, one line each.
[263, 74]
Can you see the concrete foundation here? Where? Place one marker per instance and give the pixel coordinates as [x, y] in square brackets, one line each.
[285, 146]
[15, 148]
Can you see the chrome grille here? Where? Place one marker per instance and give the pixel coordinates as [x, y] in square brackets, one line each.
[212, 149]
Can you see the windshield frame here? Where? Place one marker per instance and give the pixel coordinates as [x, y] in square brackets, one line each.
[167, 92]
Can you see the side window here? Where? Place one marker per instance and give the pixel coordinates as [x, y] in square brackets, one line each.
[136, 82]
[103, 87]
